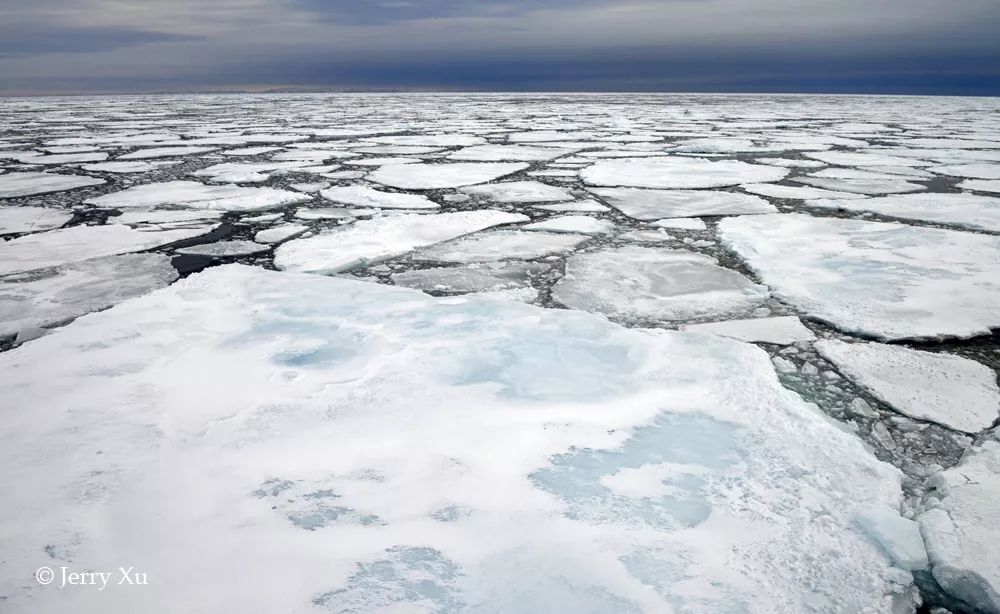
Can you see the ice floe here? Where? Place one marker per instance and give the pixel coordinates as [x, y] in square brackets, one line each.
[279, 234]
[955, 209]
[363, 196]
[199, 196]
[652, 283]
[643, 204]
[795, 192]
[519, 192]
[783, 330]
[125, 167]
[957, 392]
[31, 219]
[17, 184]
[976, 185]
[479, 277]
[371, 241]
[678, 173]
[224, 249]
[888, 281]
[871, 187]
[444, 175]
[582, 224]
[680, 223]
[502, 153]
[165, 152]
[971, 171]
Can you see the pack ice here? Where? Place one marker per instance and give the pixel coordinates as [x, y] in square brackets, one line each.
[886, 281]
[678, 173]
[17, 184]
[199, 196]
[347, 445]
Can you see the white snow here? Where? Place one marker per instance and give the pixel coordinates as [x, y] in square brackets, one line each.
[224, 249]
[279, 234]
[371, 241]
[69, 291]
[887, 281]
[960, 525]
[782, 330]
[678, 173]
[654, 283]
[440, 176]
[363, 196]
[199, 196]
[56, 247]
[962, 210]
[501, 244]
[31, 219]
[347, 445]
[957, 392]
[582, 224]
[17, 184]
[643, 204]
[519, 192]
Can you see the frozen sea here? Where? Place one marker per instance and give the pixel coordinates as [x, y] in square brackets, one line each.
[499, 353]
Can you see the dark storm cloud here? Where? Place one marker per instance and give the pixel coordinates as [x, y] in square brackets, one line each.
[24, 39]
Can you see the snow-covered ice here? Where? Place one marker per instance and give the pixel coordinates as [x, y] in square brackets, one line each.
[900, 537]
[125, 167]
[224, 249]
[957, 392]
[199, 196]
[371, 241]
[440, 176]
[165, 152]
[582, 224]
[279, 233]
[976, 185]
[581, 206]
[795, 192]
[888, 281]
[955, 209]
[479, 277]
[869, 187]
[348, 445]
[971, 171]
[519, 192]
[643, 204]
[363, 196]
[678, 173]
[653, 283]
[782, 330]
[31, 219]
[680, 223]
[17, 184]
[501, 153]
[499, 244]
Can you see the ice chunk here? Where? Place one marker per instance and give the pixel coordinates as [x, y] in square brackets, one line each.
[678, 173]
[520, 192]
[482, 277]
[31, 219]
[860, 158]
[582, 224]
[370, 241]
[56, 247]
[381, 161]
[796, 192]
[438, 176]
[500, 153]
[680, 223]
[783, 330]
[17, 184]
[125, 167]
[520, 295]
[326, 213]
[246, 172]
[654, 204]
[888, 281]
[649, 236]
[165, 152]
[163, 216]
[229, 386]
[500, 244]
[963, 210]
[583, 206]
[57, 295]
[957, 392]
[659, 284]
[431, 140]
[972, 171]
[363, 196]
[790, 162]
[199, 196]
[898, 536]
[279, 234]
[871, 187]
[249, 151]
[960, 525]
[976, 185]
[224, 249]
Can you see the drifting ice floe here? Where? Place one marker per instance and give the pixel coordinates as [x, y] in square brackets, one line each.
[165, 152]
[680, 223]
[795, 192]
[279, 233]
[199, 196]
[246, 172]
[582, 224]
[481, 277]
[31, 219]
[784, 330]
[957, 392]
[56, 247]
[500, 244]
[972, 171]
[411, 509]
[644, 204]
[678, 173]
[125, 167]
[362, 196]
[642, 282]
[519, 192]
[960, 528]
[57, 295]
[583, 206]
[501, 153]
[963, 210]
[224, 249]
[440, 176]
[888, 281]
[871, 187]
[17, 184]
[976, 185]
[855, 158]
[370, 241]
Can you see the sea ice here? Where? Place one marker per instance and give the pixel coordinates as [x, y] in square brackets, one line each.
[678, 173]
[870, 187]
[17, 184]
[956, 209]
[500, 244]
[165, 152]
[371, 241]
[246, 172]
[680, 223]
[582, 224]
[54, 296]
[960, 524]
[783, 330]
[439, 176]
[899, 537]
[582, 206]
[643, 204]
[795, 192]
[501, 153]
[653, 283]
[957, 392]
[348, 445]
[125, 167]
[888, 281]
[199, 196]
[31, 219]
[479, 277]
[971, 171]
[856, 158]
[363, 196]
[976, 185]
[519, 192]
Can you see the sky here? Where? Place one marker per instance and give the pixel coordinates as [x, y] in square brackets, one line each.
[835, 46]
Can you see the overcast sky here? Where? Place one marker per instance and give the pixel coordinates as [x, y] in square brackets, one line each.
[891, 46]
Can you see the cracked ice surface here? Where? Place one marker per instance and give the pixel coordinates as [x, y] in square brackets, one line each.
[410, 508]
